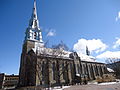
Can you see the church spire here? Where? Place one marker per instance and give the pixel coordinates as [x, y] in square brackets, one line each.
[34, 14]
[33, 31]
[87, 51]
[34, 20]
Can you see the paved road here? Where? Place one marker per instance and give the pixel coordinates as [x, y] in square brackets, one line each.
[95, 87]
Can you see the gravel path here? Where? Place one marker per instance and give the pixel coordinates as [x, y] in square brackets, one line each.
[95, 87]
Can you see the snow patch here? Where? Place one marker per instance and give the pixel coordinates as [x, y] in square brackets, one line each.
[107, 83]
[110, 70]
[59, 88]
[104, 83]
[84, 57]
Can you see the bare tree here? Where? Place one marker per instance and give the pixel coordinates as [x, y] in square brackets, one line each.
[114, 63]
[61, 45]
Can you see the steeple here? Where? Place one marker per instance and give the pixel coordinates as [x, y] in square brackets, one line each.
[35, 10]
[34, 20]
[33, 31]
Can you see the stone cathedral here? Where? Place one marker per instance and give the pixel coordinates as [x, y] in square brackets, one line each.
[45, 66]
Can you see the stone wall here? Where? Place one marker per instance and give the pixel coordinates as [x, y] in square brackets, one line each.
[54, 71]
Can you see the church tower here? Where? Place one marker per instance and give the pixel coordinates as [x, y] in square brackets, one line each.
[32, 43]
[33, 35]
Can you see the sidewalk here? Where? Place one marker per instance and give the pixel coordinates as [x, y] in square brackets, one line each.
[115, 86]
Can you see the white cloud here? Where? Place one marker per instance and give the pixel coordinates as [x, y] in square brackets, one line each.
[117, 43]
[95, 45]
[51, 32]
[118, 16]
[109, 54]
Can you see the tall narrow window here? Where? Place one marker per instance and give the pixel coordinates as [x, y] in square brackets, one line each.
[78, 68]
[43, 70]
[53, 68]
[64, 71]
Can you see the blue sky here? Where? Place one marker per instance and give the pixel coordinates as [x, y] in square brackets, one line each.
[69, 20]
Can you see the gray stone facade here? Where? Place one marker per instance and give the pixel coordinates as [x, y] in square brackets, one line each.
[50, 70]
